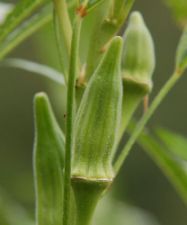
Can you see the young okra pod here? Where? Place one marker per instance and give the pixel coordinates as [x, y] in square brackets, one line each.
[138, 63]
[96, 128]
[48, 164]
[98, 118]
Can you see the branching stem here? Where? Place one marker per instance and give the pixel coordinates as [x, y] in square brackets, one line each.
[140, 126]
[70, 117]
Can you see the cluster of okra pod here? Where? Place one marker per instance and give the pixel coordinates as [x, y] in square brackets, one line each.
[105, 104]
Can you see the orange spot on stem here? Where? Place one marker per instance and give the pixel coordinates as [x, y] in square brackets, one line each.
[81, 11]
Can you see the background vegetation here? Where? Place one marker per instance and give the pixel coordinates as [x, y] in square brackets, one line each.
[141, 183]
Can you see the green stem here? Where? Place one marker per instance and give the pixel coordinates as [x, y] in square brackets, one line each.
[70, 117]
[140, 126]
[131, 102]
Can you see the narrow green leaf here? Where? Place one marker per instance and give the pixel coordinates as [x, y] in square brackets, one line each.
[181, 55]
[175, 143]
[48, 164]
[173, 169]
[33, 67]
[24, 30]
[23, 9]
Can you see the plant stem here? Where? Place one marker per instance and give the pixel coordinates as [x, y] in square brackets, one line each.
[73, 71]
[140, 126]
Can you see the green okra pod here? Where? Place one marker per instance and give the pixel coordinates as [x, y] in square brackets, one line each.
[96, 128]
[98, 118]
[138, 63]
[48, 164]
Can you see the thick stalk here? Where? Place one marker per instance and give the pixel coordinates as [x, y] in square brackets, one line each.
[70, 117]
[140, 126]
[87, 194]
[133, 94]
[130, 104]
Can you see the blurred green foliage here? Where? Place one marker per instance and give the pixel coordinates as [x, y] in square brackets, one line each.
[179, 10]
[140, 183]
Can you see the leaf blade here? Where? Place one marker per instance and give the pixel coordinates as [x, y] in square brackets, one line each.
[175, 172]
[22, 10]
[25, 30]
[175, 143]
[34, 67]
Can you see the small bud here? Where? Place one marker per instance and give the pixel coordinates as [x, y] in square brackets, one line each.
[96, 127]
[138, 63]
[48, 163]
[181, 58]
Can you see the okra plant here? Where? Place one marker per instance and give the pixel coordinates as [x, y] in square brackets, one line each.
[107, 74]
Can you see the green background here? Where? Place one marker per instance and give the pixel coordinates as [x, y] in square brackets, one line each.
[140, 183]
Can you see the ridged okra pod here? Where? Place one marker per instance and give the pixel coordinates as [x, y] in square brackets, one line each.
[96, 128]
[48, 164]
[138, 63]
